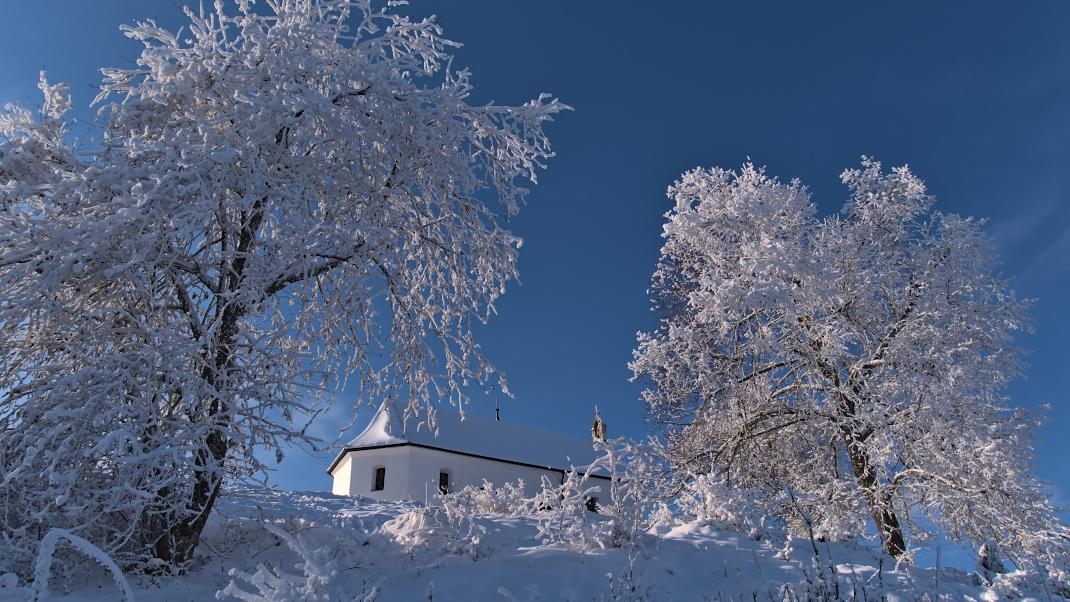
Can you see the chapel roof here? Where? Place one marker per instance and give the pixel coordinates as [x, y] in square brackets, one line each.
[476, 436]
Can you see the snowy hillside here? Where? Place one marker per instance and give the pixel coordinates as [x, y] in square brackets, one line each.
[361, 550]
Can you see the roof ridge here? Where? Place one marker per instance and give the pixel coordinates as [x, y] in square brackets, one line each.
[476, 435]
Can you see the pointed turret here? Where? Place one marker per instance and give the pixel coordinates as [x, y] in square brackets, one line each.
[598, 429]
[384, 428]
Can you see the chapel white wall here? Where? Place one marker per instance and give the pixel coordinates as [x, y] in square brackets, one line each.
[342, 476]
[425, 465]
[361, 473]
[412, 473]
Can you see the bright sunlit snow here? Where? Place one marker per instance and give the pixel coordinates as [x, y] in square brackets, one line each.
[362, 550]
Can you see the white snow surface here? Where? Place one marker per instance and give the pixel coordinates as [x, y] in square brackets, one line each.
[474, 435]
[389, 551]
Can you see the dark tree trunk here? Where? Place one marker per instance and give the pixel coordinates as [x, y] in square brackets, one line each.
[880, 502]
[176, 545]
[891, 533]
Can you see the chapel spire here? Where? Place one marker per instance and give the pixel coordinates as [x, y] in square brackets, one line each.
[598, 429]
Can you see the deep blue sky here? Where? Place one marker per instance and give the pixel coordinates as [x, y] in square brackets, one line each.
[974, 96]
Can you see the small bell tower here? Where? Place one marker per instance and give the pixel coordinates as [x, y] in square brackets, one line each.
[598, 429]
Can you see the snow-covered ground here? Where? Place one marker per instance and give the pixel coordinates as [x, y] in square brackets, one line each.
[363, 550]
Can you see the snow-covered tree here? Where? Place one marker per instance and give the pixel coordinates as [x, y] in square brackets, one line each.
[855, 362]
[279, 200]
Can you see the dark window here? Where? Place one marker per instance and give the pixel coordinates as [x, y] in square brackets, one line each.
[380, 479]
[443, 482]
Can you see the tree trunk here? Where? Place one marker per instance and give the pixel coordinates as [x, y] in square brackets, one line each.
[880, 503]
[176, 545]
[182, 533]
[891, 533]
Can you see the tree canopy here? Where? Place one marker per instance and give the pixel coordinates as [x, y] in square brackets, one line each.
[278, 200]
[846, 369]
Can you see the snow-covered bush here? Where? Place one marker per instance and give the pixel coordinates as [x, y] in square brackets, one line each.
[410, 529]
[450, 527]
[990, 561]
[274, 585]
[1058, 580]
[663, 516]
[637, 473]
[706, 499]
[626, 501]
[563, 515]
[508, 498]
[1009, 585]
[462, 534]
[626, 585]
[1003, 583]
[807, 516]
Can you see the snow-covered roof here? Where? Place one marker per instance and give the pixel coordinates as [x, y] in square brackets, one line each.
[476, 436]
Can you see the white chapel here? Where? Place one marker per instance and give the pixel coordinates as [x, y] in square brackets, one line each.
[388, 461]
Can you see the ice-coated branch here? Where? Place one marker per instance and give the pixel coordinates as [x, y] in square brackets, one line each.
[45, 553]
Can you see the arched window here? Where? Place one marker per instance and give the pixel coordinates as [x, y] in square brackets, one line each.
[444, 481]
[380, 478]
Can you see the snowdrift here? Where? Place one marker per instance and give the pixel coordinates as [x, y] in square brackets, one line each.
[282, 546]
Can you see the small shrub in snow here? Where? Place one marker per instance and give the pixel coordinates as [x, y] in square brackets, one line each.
[10, 590]
[1005, 583]
[1058, 581]
[807, 518]
[372, 595]
[273, 585]
[409, 529]
[634, 488]
[989, 560]
[706, 499]
[633, 504]
[626, 585]
[1008, 586]
[452, 526]
[456, 521]
[563, 515]
[662, 516]
[509, 498]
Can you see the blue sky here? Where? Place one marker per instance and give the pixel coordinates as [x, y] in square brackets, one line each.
[975, 97]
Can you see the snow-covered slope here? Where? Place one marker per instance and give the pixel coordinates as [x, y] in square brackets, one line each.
[362, 550]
